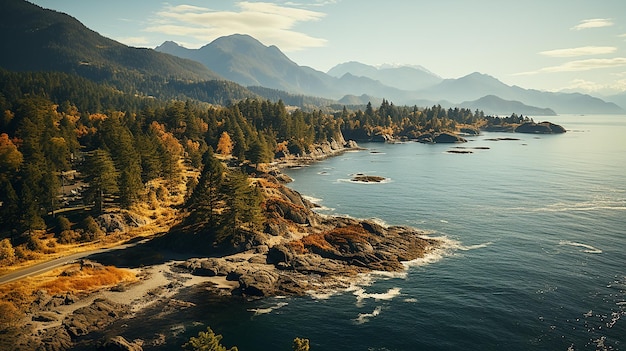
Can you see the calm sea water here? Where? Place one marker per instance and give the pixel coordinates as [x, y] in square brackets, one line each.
[535, 257]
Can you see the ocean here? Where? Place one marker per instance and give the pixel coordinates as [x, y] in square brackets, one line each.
[534, 255]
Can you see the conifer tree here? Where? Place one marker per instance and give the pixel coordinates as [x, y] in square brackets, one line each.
[102, 177]
[243, 206]
[206, 194]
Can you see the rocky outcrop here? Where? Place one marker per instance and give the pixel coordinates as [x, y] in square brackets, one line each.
[120, 222]
[362, 178]
[94, 317]
[55, 339]
[540, 128]
[119, 343]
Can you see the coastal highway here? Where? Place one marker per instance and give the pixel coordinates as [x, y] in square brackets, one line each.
[49, 265]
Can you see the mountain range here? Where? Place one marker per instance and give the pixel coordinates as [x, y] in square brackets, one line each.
[45, 40]
[245, 60]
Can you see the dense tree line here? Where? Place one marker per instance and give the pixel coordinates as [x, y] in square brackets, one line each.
[404, 121]
[53, 124]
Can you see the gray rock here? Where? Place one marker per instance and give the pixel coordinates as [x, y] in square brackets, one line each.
[258, 283]
[98, 315]
[119, 343]
[55, 339]
[45, 317]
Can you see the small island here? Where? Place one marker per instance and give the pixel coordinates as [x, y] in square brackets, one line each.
[540, 128]
[362, 178]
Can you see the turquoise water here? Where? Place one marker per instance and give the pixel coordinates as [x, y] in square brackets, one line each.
[535, 255]
[536, 260]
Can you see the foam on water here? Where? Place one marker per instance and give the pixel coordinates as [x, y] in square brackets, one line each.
[365, 317]
[314, 200]
[446, 247]
[362, 295]
[588, 248]
[474, 247]
[266, 310]
[584, 206]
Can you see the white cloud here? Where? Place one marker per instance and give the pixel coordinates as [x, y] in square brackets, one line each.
[593, 23]
[581, 51]
[134, 41]
[579, 66]
[594, 87]
[267, 22]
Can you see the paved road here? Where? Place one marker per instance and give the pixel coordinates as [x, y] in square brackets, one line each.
[49, 265]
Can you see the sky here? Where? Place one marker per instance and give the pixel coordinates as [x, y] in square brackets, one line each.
[551, 45]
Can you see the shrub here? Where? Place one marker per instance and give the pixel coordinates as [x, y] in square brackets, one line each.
[92, 230]
[7, 252]
[9, 315]
[69, 237]
[63, 223]
[300, 344]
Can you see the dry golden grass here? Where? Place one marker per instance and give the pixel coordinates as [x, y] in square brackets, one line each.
[88, 279]
[317, 240]
[264, 183]
[69, 279]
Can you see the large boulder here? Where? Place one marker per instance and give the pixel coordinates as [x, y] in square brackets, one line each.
[255, 282]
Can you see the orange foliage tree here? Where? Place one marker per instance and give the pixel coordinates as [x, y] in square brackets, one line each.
[225, 144]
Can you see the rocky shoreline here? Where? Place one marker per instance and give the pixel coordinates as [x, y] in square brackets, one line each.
[298, 253]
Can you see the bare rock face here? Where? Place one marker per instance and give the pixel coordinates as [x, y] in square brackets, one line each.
[56, 339]
[94, 317]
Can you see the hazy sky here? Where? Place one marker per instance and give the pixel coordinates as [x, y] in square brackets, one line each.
[536, 44]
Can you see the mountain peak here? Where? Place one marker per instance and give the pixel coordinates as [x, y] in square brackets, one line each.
[404, 77]
[168, 45]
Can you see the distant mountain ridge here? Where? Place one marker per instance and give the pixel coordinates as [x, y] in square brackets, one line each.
[246, 61]
[493, 105]
[401, 77]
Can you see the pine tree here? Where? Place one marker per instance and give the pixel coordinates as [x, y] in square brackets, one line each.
[206, 194]
[243, 206]
[102, 177]
[258, 152]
